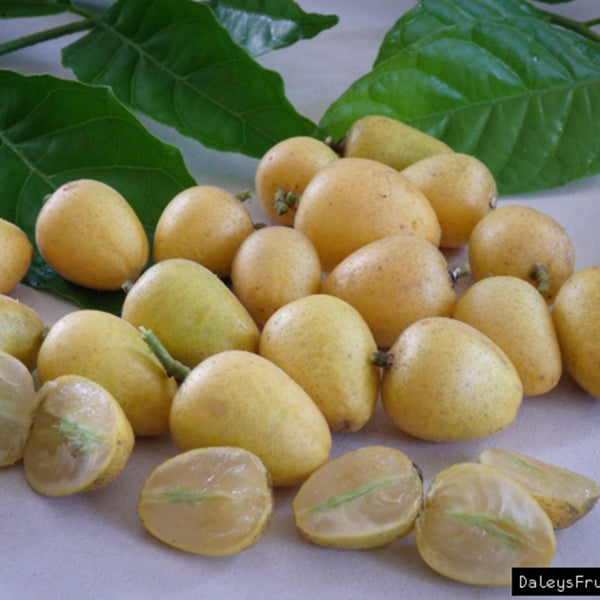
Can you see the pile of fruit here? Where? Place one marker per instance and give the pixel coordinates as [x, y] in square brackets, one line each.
[251, 344]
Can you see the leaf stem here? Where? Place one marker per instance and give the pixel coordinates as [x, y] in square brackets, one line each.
[582, 28]
[48, 34]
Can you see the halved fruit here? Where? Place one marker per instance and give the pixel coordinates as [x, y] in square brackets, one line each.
[478, 523]
[215, 500]
[80, 439]
[362, 499]
[565, 495]
[18, 403]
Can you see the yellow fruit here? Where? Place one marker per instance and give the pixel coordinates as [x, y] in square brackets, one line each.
[364, 498]
[111, 352]
[191, 311]
[326, 346]
[524, 242]
[237, 398]
[16, 253]
[565, 495]
[514, 315]
[90, 235]
[448, 382]
[354, 201]
[285, 170]
[18, 403]
[21, 330]
[212, 501]
[576, 314]
[393, 282]
[272, 267]
[461, 190]
[478, 523]
[205, 224]
[80, 439]
[390, 141]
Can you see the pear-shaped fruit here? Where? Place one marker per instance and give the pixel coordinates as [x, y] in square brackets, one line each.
[238, 398]
[16, 253]
[191, 311]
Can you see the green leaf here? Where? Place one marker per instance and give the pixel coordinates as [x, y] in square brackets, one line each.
[173, 61]
[32, 8]
[53, 131]
[260, 26]
[519, 94]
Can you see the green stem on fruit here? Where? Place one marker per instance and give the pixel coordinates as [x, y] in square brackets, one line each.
[172, 366]
[382, 359]
[460, 271]
[244, 195]
[284, 200]
[541, 276]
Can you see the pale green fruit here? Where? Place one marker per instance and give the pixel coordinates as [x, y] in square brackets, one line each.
[238, 398]
[110, 351]
[325, 345]
[390, 141]
[191, 311]
[447, 382]
[576, 315]
[514, 315]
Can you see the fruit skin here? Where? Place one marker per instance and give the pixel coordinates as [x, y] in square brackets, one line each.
[21, 330]
[90, 235]
[72, 390]
[288, 167]
[354, 201]
[237, 398]
[110, 351]
[514, 239]
[576, 314]
[515, 316]
[205, 224]
[324, 344]
[393, 282]
[273, 266]
[16, 253]
[191, 311]
[461, 189]
[448, 382]
[390, 142]
[566, 496]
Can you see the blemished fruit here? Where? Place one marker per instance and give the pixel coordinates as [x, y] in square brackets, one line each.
[205, 224]
[325, 345]
[284, 171]
[576, 314]
[21, 330]
[273, 266]
[80, 439]
[524, 242]
[446, 381]
[238, 398]
[390, 142]
[16, 254]
[461, 189]
[514, 315]
[393, 282]
[477, 524]
[90, 235]
[364, 498]
[18, 403]
[110, 351]
[191, 311]
[212, 501]
[565, 495]
[354, 201]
